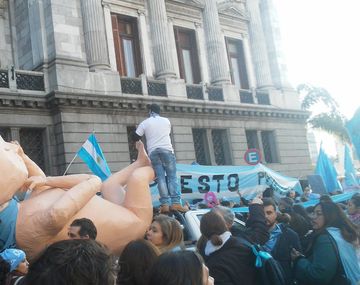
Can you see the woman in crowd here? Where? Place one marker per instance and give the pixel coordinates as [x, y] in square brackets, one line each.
[17, 266]
[166, 234]
[354, 209]
[331, 255]
[135, 262]
[180, 268]
[228, 260]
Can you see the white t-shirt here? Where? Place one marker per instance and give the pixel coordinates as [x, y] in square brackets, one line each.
[157, 133]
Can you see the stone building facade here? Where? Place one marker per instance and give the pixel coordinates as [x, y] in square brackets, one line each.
[70, 67]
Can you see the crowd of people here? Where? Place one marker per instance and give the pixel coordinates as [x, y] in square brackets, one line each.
[316, 245]
[312, 246]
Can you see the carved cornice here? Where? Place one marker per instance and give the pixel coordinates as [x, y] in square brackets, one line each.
[234, 8]
[196, 3]
[134, 103]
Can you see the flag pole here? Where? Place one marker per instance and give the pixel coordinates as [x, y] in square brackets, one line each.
[71, 162]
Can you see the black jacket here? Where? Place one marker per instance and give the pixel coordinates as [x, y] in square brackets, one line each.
[256, 230]
[281, 251]
[233, 264]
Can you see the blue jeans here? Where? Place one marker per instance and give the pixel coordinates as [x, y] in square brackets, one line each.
[164, 163]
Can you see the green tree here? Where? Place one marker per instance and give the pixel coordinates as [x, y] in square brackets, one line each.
[331, 120]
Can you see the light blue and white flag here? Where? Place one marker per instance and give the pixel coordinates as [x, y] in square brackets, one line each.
[350, 173]
[326, 169]
[93, 156]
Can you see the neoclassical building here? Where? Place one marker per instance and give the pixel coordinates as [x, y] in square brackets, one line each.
[70, 67]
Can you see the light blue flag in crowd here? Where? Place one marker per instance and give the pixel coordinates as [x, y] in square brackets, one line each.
[353, 128]
[326, 169]
[350, 173]
[94, 158]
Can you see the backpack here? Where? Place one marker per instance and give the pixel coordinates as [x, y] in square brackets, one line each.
[270, 271]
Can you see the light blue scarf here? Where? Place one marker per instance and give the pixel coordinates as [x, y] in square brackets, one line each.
[8, 218]
[347, 252]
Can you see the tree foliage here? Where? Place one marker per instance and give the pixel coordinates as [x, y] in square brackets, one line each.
[331, 121]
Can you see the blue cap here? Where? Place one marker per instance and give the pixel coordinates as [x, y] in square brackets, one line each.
[13, 256]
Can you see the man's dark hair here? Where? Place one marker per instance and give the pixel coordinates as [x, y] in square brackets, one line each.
[4, 270]
[87, 227]
[269, 202]
[76, 262]
[155, 108]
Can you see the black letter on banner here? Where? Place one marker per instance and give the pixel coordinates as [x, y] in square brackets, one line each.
[203, 181]
[236, 186]
[184, 183]
[218, 178]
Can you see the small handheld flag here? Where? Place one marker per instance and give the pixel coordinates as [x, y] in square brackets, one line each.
[93, 156]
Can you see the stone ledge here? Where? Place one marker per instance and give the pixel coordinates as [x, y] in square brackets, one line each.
[135, 103]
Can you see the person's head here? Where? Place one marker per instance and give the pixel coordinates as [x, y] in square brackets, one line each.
[77, 262]
[268, 193]
[82, 229]
[179, 268]
[212, 225]
[283, 218]
[165, 233]
[291, 194]
[285, 205]
[354, 205]
[227, 214]
[136, 261]
[329, 214]
[325, 198]
[270, 212]
[154, 108]
[16, 258]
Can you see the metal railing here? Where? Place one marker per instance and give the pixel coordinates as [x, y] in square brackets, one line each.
[131, 85]
[194, 91]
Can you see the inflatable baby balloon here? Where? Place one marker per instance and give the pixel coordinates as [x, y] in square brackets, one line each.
[55, 202]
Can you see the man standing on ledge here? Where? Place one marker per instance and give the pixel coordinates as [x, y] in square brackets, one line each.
[157, 133]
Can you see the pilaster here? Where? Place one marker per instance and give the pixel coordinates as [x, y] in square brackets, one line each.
[94, 33]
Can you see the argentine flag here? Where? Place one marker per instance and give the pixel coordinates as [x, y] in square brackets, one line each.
[93, 156]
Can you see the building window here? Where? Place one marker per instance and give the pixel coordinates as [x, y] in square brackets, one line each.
[127, 46]
[201, 147]
[269, 146]
[132, 148]
[31, 140]
[237, 63]
[215, 140]
[266, 144]
[221, 147]
[187, 55]
[5, 134]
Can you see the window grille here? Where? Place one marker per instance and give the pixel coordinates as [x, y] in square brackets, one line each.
[156, 88]
[5, 134]
[4, 79]
[252, 139]
[221, 147]
[194, 92]
[31, 140]
[30, 81]
[246, 97]
[215, 94]
[269, 146]
[131, 85]
[263, 98]
[201, 147]
[132, 149]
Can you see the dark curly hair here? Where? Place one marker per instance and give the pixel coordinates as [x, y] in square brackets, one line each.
[4, 270]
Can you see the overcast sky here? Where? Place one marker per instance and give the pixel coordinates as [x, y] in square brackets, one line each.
[321, 43]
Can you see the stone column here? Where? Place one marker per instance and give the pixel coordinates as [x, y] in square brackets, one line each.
[200, 39]
[145, 46]
[164, 66]
[94, 33]
[110, 37]
[215, 42]
[259, 48]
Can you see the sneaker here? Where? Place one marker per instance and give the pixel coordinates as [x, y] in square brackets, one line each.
[179, 207]
[164, 209]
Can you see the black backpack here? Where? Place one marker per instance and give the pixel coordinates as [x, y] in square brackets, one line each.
[270, 271]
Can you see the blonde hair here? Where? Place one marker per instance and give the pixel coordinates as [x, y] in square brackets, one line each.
[172, 233]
